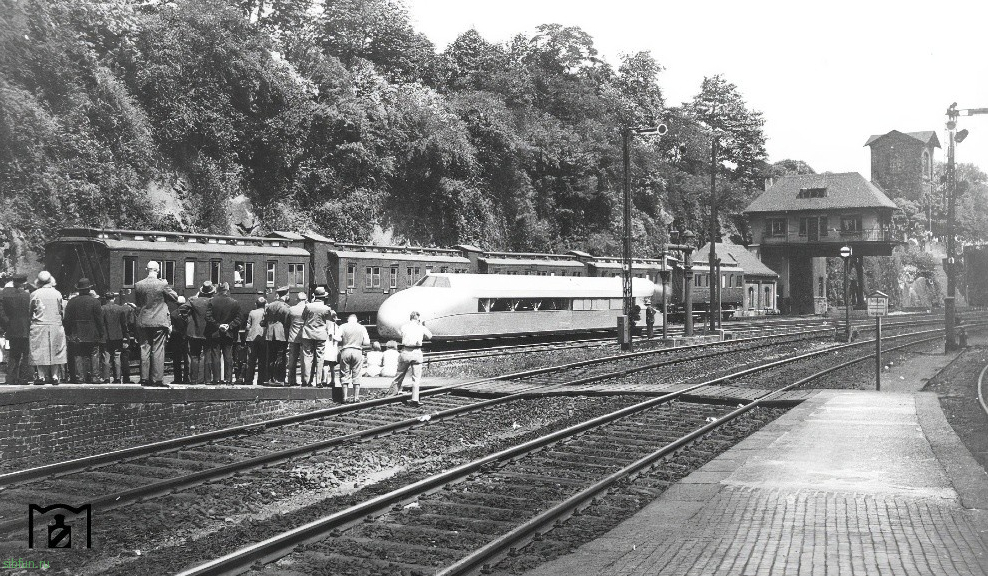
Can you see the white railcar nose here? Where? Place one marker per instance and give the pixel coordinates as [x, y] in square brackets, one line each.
[394, 312]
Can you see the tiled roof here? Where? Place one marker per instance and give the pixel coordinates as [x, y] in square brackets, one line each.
[732, 253]
[845, 190]
[927, 137]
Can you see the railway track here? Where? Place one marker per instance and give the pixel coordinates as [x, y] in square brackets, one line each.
[462, 519]
[181, 463]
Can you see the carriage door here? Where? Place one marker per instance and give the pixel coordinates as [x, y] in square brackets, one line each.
[813, 229]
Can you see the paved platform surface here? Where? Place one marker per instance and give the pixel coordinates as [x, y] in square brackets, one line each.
[848, 483]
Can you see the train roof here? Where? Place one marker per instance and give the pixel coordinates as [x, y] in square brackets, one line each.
[533, 262]
[400, 256]
[511, 285]
[209, 246]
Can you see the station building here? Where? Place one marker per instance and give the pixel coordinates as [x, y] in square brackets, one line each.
[801, 220]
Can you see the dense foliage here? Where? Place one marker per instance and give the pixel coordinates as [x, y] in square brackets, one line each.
[340, 117]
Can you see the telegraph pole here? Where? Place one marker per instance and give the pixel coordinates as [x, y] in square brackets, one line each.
[714, 269]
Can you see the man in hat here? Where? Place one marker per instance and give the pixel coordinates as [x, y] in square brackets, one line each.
[15, 324]
[295, 324]
[256, 345]
[277, 321]
[194, 311]
[315, 318]
[116, 331]
[153, 324]
[47, 333]
[83, 323]
[222, 330]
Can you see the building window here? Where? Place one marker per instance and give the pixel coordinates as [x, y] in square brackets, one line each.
[269, 278]
[372, 277]
[190, 273]
[243, 274]
[775, 226]
[394, 277]
[850, 224]
[812, 193]
[351, 275]
[214, 271]
[296, 274]
[413, 274]
[130, 271]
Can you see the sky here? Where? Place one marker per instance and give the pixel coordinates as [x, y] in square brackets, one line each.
[826, 74]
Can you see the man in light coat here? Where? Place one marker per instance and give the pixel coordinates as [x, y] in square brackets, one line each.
[315, 318]
[153, 325]
[295, 324]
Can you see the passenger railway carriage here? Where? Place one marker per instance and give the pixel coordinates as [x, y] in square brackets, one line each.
[359, 277]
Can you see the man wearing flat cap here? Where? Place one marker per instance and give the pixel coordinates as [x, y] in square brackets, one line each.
[116, 331]
[15, 324]
[153, 325]
[83, 323]
[277, 322]
[200, 357]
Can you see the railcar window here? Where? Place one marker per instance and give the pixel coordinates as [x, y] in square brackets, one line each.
[394, 278]
[351, 275]
[130, 271]
[270, 279]
[616, 304]
[500, 305]
[243, 274]
[168, 271]
[190, 273]
[484, 304]
[214, 271]
[296, 274]
[372, 277]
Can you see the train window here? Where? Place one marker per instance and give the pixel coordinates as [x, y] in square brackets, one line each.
[351, 275]
[214, 271]
[616, 304]
[269, 279]
[296, 274]
[130, 271]
[168, 271]
[190, 273]
[501, 305]
[372, 277]
[433, 282]
[555, 304]
[484, 304]
[243, 274]
[444, 269]
[394, 278]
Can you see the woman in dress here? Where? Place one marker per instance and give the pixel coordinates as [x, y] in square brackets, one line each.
[48, 349]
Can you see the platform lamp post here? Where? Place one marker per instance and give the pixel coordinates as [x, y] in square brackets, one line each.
[845, 254]
[687, 248]
[624, 327]
[949, 301]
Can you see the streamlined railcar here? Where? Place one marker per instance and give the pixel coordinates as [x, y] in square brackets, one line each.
[466, 306]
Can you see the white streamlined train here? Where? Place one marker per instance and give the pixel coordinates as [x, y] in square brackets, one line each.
[462, 306]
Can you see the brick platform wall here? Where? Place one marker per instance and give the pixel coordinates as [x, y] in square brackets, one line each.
[35, 433]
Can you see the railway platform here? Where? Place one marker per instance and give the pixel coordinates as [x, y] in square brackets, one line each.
[848, 482]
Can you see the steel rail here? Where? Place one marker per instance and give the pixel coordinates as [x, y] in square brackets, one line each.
[981, 389]
[88, 462]
[281, 544]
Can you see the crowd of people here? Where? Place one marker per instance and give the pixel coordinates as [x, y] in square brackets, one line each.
[85, 338]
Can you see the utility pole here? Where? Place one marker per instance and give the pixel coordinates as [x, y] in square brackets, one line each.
[715, 306]
[626, 283]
